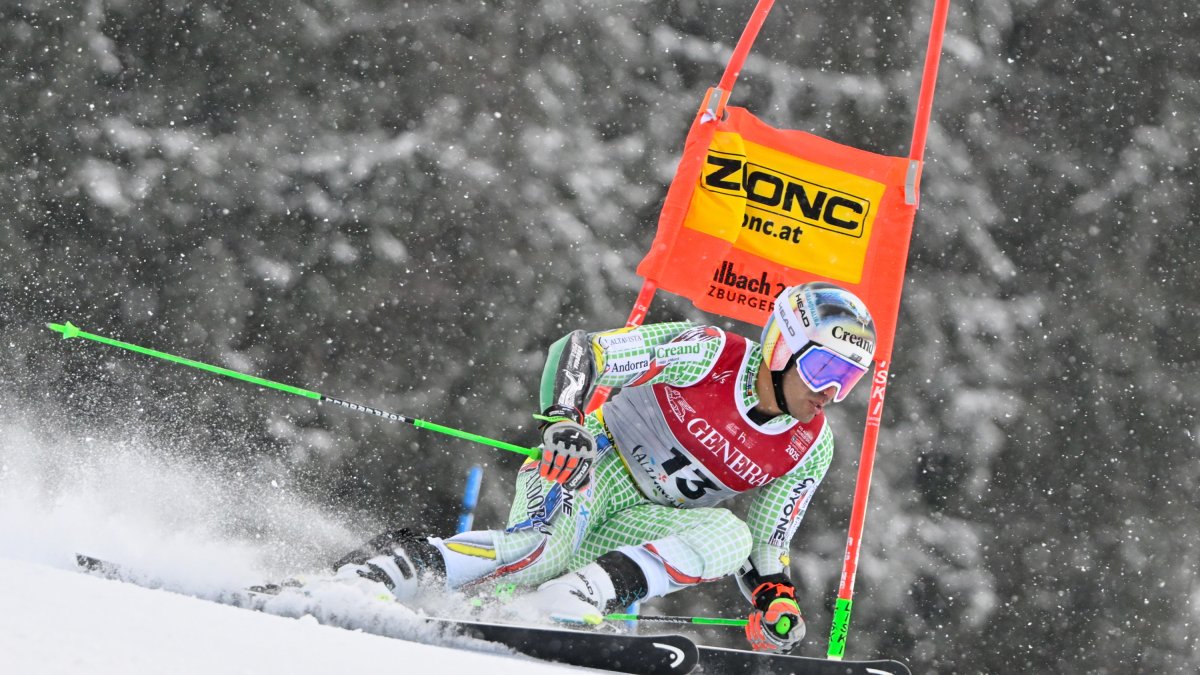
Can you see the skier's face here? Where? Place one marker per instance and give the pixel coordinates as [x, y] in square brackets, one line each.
[802, 402]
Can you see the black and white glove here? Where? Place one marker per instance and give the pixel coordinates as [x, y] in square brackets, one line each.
[568, 449]
[775, 625]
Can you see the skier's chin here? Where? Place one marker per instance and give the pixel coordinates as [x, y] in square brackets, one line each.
[807, 411]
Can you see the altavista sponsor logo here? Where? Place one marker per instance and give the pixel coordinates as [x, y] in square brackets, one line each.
[620, 339]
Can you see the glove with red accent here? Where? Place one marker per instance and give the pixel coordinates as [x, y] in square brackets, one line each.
[568, 449]
[776, 624]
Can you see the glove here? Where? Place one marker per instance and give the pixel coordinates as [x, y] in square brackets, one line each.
[568, 449]
[775, 625]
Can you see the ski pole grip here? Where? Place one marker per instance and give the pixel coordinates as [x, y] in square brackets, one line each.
[783, 626]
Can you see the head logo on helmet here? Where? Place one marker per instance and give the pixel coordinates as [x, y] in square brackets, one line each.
[826, 331]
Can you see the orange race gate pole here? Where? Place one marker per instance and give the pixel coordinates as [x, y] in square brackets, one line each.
[687, 175]
[866, 463]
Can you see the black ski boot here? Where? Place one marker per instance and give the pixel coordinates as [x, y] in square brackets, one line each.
[401, 560]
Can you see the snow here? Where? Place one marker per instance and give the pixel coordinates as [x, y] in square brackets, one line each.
[196, 529]
[57, 621]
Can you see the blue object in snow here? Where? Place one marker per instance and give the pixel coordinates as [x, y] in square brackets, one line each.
[470, 498]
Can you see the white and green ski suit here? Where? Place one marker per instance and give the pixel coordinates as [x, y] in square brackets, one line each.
[677, 440]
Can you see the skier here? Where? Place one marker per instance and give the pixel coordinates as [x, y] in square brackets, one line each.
[622, 504]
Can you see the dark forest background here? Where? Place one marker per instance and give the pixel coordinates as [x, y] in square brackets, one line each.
[403, 203]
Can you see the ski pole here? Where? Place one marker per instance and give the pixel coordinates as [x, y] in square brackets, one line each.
[698, 620]
[69, 331]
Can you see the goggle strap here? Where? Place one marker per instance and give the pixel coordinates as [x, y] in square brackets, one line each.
[777, 383]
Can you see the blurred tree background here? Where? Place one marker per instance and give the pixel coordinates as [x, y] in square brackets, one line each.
[403, 202]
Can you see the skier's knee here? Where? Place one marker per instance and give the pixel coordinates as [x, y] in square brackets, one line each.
[723, 526]
[530, 557]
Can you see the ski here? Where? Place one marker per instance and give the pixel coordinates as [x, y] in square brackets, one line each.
[721, 660]
[637, 654]
[641, 654]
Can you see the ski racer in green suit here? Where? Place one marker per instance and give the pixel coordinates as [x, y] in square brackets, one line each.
[624, 502]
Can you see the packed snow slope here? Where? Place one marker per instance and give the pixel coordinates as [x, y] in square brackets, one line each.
[196, 526]
[54, 621]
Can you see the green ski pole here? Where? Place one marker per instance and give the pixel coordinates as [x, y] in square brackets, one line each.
[70, 331]
[696, 620]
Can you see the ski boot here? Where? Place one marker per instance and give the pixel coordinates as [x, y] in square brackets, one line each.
[403, 561]
[584, 597]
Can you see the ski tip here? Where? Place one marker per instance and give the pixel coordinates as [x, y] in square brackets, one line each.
[68, 329]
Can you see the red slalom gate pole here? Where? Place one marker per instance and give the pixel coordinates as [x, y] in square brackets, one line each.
[744, 43]
[929, 80]
[858, 514]
[866, 464]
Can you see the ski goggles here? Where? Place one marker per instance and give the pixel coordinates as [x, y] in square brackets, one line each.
[821, 367]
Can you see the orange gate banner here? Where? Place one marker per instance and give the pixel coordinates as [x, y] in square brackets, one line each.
[754, 209]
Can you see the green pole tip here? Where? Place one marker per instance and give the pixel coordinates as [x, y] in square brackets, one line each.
[68, 330]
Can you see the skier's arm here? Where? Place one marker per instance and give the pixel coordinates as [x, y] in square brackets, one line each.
[679, 353]
[775, 623]
[777, 509]
[568, 449]
[676, 353]
[568, 374]
[673, 352]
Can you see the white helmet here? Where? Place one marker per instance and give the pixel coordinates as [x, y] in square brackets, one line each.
[826, 331]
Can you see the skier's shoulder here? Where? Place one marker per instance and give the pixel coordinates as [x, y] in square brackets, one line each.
[653, 335]
[707, 343]
[699, 332]
[818, 438]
